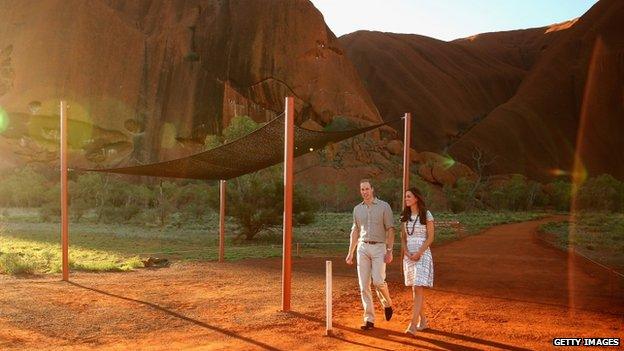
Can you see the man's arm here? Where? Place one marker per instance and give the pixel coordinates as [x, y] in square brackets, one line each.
[389, 225]
[389, 244]
[354, 237]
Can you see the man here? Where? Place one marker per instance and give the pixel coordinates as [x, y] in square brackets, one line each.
[372, 234]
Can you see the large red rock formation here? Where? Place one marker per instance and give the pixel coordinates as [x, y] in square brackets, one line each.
[571, 102]
[166, 73]
[446, 86]
[520, 48]
[529, 99]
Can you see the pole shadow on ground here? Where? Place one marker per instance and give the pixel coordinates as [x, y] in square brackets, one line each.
[180, 316]
[404, 339]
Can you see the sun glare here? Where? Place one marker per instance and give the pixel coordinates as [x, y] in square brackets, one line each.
[448, 162]
[4, 120]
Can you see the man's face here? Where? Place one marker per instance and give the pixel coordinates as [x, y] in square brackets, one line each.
[366, 191]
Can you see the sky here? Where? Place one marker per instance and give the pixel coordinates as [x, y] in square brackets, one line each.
[446, 19]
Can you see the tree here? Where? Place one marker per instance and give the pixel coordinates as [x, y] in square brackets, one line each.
[459, 196]
[239, 127]
[255, 201]
[85, 194]
[211, 141]
[51, 204]
[195, 199]
[165, 200]
[560, 194]
[602, 193]
[481, 163]
[389, 190]
[25, 188]
[516, 190]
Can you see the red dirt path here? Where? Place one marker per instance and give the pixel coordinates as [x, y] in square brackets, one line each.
[499, 290]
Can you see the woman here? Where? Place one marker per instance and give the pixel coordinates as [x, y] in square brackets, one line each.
[416, 237]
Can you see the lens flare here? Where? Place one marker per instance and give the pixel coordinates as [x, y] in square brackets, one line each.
[44, 128]
[448, 162]
[558, 172]
[4, 120]
[579, 171]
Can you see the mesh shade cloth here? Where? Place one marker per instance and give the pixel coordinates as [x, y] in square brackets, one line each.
[259, 149]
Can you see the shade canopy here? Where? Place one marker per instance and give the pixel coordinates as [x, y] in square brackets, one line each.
[261, 148]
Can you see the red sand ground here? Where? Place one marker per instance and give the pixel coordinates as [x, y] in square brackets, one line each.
[499, 290]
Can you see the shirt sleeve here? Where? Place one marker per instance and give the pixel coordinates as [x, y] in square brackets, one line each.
[388, 219]
[429, 216]
[355, 223]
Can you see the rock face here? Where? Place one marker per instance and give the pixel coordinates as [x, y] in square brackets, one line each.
[446, 86]
[165, 74]
[518, 48]
[441, 170]
[570, 104]
[531, 99]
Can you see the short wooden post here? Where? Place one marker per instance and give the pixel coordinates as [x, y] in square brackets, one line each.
[328, 297]
[64, 194]
[222, 186]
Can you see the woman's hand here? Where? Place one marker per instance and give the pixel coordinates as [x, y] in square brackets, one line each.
[415, 256]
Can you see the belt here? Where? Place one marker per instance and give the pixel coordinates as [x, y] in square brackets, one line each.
[372, 242]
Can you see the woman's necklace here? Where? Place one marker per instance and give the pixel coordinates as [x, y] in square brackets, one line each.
[411, 232]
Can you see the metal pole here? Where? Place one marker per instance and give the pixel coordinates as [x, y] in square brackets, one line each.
[406, 152]
[328, 297]
[64, 194]
[222, 187]
[288, 200]
[407, 137]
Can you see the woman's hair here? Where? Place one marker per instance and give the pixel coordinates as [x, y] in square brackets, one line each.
[422, 207]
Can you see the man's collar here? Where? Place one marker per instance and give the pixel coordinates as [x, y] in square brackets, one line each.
[374, 202]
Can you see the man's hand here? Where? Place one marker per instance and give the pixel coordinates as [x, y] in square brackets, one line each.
[388, 257]
[349, 258]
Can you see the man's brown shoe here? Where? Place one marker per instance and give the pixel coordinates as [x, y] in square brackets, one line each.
[388, 312]
[367, 326]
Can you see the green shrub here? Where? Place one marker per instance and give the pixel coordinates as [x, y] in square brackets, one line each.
[336, 197]
[195, 199]
[560, 192]
[211, 141]
[50, 209]
[255, 201]
[339, 124]
[460, 196]
[15, 264]
[239, 127]
[390, 190]
[25, 187]
[514, 194]
[192, 56]
[602, 193]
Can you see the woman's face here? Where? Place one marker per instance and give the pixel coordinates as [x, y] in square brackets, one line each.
[410, 199]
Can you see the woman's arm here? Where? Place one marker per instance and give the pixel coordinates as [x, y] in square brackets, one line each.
[427, 243]
[403, 240]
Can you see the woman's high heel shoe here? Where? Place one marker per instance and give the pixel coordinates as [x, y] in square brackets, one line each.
[422, 325]
[411, 330]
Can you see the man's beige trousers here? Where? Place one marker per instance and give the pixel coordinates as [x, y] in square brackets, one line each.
[371, 265]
